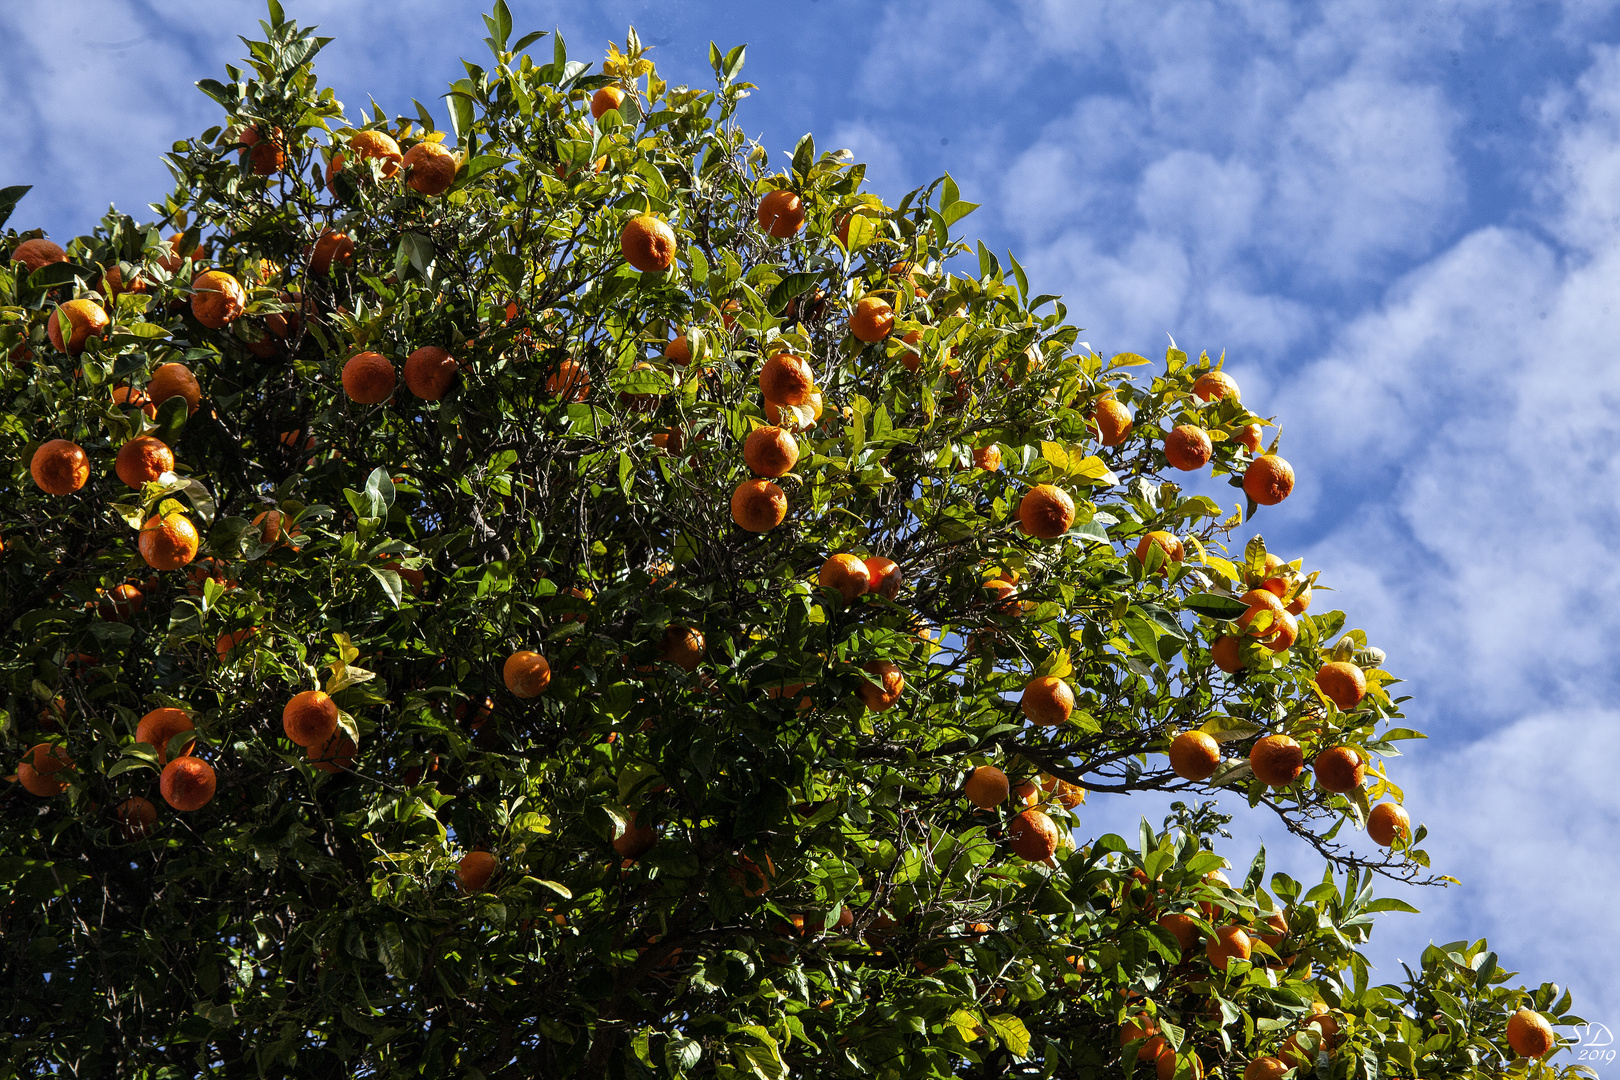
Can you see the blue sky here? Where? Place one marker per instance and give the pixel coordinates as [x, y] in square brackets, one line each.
[1401, 222]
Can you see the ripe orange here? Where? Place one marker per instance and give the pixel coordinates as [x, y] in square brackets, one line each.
[781, 213]
[648, 243]
[1032, 836]
[987, 458]
[122, 602]
[59, 467]
[187, 783]
[986, 787]
[1284, 632]
[268, 155]
[174, 380]
[1188, 448]
[171, 259]
[1113, 421]
[168, 542]
[1215, 385]
[334, 755]
[38, 769]
[270, 524]
[135, 398]
[1386, 821]
[526, 673]
[227, 642]
[1167, 1065]
[330, 247]
[1340, 769]
[217, 299]
[34, 254]
[1343, 683]
[86, 318]
[758, 505]
[135, 817]
[891, 683]
[681, 646]
[1229, 943]
[847, 574]
[886, 576]
[770, 451]
[1300, 604]
[430, 169]
[368, 378]
[570, 382]
[1183, 929]
[1227, 653]
[429, 371]
[786, 379]
[1046, 512]
[1266, 1068]
[142, 460]
[1259, 600]
[1250, 437]
[310, 718]
[1268, 480]
[1195, 755]
[157, 727]
[474, 871]
[366, 144]
[636, 840]
[1277, 760]
[678, 351]
[1169, 543]
[605, 101]
[872, 320]
[1140, 1026]
[1047, 701]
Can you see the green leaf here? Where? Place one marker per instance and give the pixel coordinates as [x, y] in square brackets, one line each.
[1012, 1033]
[1215, 606]
[9, 197]
[786, 289]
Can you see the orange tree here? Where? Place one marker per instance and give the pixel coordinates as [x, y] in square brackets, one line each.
[565, 597]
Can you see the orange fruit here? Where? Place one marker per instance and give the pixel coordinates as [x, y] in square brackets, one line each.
[872, 320]
[135, 817]
[1167, 1065]
[1277, 760]
[1300, 604]
[1284, 632]
[1183, 929]
[1032, 836]
[429, 371]
[681, 646]
[1266, 1068]
[1251, 438]
[526, 673]
[34, 254]
[636, 840]
[911, 361]
[1113, 421]
[171, 259]
[368, 378]
[1259, 600]
[59, 467]
[1025, 793]
[987, 458]
[1343, 683]
[1340, 769]
[1046, 511]
[217, 299]
[142, 460]
[1047, 701]
[122, 602]
[1188, 448]
[310, 718]
[678, 351]
[174, 380]
[1195, 755]
[268, 155]
[770, 451]
[786, 379]
[168, 542]
[187, 783]
[891, 683]
[1174, 550]
[986, 787]
[38, 769]
[1140, 1026]
[474, 871]
[133, 397]
[781, 213]
[1001, 592]
[334, 755]
[86, 318]
[570, 382]
[1387, 821]
[758, 505]
[885, 575]
[366, 144]
[1229, 943]
[847, 574]
[1268, 480]
[1227, 653]
[330, 247]
[430, 169]
[270, 524]
[1215, 385]
[669, 440]
[648, 243]
[605, 100]
[159, 726]
[229, 641]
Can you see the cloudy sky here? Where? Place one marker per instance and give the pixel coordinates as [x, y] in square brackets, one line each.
[1401, 222]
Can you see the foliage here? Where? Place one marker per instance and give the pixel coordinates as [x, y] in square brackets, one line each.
[820, 900]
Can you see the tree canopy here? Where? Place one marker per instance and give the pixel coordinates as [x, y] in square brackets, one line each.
[564, 594]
